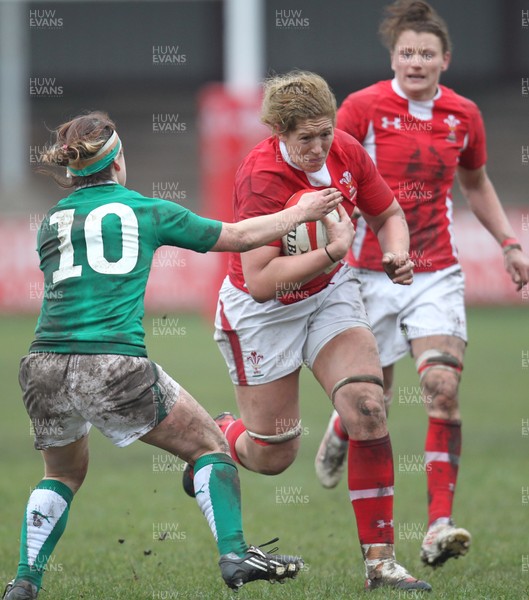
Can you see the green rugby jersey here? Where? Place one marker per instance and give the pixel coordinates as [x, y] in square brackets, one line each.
[96, 248]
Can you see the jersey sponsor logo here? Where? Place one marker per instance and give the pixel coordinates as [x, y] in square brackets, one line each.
[347, 181]
[387, 122]
[452, 123]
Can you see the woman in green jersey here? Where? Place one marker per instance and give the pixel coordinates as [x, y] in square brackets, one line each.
[88, 364]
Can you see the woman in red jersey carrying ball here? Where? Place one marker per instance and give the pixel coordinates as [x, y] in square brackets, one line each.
[276, 312]
[420, 135]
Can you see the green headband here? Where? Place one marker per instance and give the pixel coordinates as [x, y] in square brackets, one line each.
[104, 157]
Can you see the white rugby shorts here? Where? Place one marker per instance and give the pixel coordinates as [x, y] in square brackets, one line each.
[262, 342]
[433, 304]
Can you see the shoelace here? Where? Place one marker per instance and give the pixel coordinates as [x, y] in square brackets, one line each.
[272, 541]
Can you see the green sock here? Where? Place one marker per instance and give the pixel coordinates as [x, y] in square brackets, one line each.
[44, 523]
[218, 493]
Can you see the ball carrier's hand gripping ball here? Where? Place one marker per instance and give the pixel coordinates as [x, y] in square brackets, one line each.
[307, 236]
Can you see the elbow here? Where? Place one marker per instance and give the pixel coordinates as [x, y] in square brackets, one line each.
[260, 293]
[260, 299]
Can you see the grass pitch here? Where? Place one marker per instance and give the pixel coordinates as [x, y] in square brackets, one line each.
[133, 534]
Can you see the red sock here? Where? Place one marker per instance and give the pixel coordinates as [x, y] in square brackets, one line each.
[371, 480]
[339, 430]
[442, 452]
[232, 433]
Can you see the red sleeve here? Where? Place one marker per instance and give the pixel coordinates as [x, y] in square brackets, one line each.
[474, 155]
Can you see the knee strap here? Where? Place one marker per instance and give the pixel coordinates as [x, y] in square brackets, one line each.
[356, 379]
[278, 438]
[436, 359]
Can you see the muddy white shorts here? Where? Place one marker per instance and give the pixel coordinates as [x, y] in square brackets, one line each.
[262, 342]
[432, 305]
[64, 394]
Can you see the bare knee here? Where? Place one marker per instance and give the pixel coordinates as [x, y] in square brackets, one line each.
[270, 459]
[371, 410]
[440, 392]
[275, 460]
[363, 411]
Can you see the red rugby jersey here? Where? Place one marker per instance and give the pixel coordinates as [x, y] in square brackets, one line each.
[266, 179]
[416, 147]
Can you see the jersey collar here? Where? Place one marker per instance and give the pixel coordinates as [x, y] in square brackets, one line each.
[420, 109]
[89, 185]
[398, 90]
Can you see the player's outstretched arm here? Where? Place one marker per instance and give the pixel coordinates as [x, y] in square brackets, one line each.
[392, 233]
[485, 204]
[258, 231]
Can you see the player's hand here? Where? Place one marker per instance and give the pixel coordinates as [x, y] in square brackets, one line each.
[517, 265]
[315, 205]
[340, 233]
[398, 267]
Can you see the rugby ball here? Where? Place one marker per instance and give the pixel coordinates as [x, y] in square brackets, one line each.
[307, 236]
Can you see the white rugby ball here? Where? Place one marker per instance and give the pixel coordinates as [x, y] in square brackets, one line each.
[307, 236]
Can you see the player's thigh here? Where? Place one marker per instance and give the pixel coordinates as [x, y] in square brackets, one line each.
[450, 344]
[437, 313]
[351, 353]
[47, 380]
[270, 408]
[261, 343]
[360, 404]
[187, 431]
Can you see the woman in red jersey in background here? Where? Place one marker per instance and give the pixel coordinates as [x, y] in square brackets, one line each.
[420, 135]
[277, 312]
